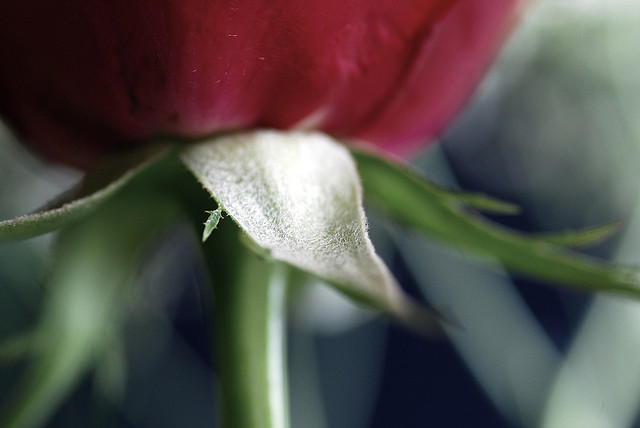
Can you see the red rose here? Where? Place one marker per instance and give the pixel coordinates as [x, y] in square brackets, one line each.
[80, 78]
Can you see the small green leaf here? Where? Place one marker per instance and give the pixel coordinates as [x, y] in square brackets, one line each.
[97, 187]
[211, 223]
[417, 203]
[298, 195]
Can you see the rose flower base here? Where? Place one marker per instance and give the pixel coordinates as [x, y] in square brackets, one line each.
[271, 123]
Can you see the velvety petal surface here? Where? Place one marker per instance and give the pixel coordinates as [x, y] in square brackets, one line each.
[81, 78]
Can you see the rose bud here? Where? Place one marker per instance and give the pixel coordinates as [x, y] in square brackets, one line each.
[80, 79]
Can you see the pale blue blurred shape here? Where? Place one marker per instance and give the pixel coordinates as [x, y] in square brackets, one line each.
[498, 338]
[25, 182]
[567, 128]
[599, 383]
[569, 155]
[336, 360]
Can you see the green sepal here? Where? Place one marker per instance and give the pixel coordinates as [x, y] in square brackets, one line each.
[95, 265]
[297, 196]
[580, 238]
[441, 214]
[95, 189]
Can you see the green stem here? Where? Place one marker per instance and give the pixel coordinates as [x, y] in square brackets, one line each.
[250, 337]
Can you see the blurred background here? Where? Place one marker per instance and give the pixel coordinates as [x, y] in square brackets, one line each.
[554, 128]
